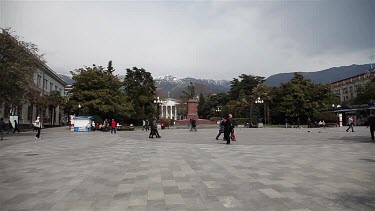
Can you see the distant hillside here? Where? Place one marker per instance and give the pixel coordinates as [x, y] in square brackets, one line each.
[68, 79]
[324, 76]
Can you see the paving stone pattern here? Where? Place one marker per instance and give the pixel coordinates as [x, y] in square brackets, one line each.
[266, 169]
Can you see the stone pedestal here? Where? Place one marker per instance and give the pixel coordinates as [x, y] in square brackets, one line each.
[192, 109]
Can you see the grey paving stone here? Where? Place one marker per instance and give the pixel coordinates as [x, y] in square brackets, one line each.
[266, 169]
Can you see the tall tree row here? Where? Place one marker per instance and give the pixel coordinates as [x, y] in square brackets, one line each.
[100, 93]
[250, 98]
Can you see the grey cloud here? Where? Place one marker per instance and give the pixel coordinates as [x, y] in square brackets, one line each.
[199, 39]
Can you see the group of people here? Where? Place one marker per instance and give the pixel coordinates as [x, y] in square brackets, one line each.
[8, 128]
[145, 125]
[227, 127]
[108, 125]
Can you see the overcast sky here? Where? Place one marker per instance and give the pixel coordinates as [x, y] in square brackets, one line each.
[201, 39]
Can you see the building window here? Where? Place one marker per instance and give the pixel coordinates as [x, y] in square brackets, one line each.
[61, 93]
[39, 81]
[51, 87]
[29, 112]
[45, 84]
[55, 88]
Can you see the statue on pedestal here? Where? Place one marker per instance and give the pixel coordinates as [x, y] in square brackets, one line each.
[191, 91]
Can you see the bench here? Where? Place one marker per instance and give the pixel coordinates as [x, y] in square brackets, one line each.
[125, 128]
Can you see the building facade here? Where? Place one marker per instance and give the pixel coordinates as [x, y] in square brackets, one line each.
[347, 89]
[46, 81]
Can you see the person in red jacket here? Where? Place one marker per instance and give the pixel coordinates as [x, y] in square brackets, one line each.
[114, 125]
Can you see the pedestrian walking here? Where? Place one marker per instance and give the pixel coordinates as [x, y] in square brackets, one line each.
[308, 122]
[286, 122]
[114, 125]
[147, 125]
[221, 129]
[16, 127]
[298, 123]
[38, 125]
[350, 122]
[193, 125]
[228, 127]
[143, 125]
[154, 129]
[105, 125]
[2, 128]
[10, 126]
[371, 124]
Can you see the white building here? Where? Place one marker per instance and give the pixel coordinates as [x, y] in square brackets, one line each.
[46, 80]
[169, 108]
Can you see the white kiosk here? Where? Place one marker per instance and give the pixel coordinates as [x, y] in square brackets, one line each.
[82, 123]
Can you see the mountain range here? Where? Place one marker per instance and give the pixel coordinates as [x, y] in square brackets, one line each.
[323, 76]
[171, 86]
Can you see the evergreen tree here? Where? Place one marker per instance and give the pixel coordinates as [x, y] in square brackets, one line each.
[140, 87]
[98, 92]
[300, 98]
[246, 83]
[201, 107]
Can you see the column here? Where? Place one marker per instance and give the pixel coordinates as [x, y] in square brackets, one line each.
[175, 112]
[171, 112]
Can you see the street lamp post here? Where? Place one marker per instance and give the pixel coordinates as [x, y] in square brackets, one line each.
[158, 102]
[218, 110]
[258, 101]
[339, 115]
[79, 107]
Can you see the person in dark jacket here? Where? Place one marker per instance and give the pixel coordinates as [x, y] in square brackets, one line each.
[154, 129]
[10, 126]
[298, 123]
[193, 125]
[228, 127]
[371, 124]
[16, 127]
[221, 129]
[2, 127]
[147, 125]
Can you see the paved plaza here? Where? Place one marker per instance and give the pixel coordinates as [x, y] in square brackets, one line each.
[266, 169]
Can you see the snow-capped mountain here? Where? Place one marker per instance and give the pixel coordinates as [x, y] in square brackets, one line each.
[174, 86]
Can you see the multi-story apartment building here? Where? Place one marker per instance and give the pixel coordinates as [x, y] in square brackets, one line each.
[347, 89]
[46, 80]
